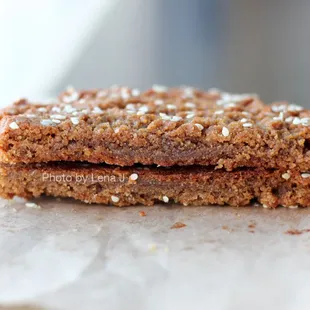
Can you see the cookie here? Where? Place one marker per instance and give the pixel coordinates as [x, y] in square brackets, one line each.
[162, 126]
[125, 186]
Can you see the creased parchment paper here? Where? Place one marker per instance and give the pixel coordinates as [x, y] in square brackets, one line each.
[69, 255]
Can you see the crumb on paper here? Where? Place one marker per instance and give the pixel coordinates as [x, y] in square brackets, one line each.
[142, 213]
[177, 225]
[227, 228]
[32, 205]
[252, 225]
[297, 231]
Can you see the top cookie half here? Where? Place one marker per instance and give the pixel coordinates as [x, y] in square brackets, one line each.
[162, 126]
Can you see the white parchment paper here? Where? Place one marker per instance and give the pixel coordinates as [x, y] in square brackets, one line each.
[69, 255]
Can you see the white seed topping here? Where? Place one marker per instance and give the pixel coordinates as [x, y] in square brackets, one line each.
[30, 115]
[225, 132]
[73, 96]
[294, 108]
[265, 206]
[221, 102]
[56, 109]
[190, 115]
[305, 175]
[190, 105]
[135, 92]
[57, 116]
[293, 207]
[164, 116]
[199, 126]
[42, 109]
[289, 119]
[286, 175]
[230, 105]
[278, 108]
[97, 110]
[125, 94]
[144, 109]
[68, 108]
[114, 198]
[214, 91]
[74, 120]
[171, 106]
[243, 120]
[13, 125]
[159, 88]
[188, 92]
[176, 118]
[237, 97]
[46, 122]
[102, 93]
[130, 106]
[32, 205]
[159, 102]
[56, 121]
[165, 199]
[114, 96]
[219, 112]
[280, 117]
[303, 121]
[247, 125]
[133, 177]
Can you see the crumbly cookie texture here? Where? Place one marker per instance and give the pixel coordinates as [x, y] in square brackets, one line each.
[163, 126]
[125, 186]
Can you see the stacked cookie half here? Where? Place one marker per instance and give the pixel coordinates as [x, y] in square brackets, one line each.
[124, 147]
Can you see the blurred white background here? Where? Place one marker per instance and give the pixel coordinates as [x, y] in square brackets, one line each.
[237, 45]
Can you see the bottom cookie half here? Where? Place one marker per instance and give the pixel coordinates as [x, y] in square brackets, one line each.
[194, 185]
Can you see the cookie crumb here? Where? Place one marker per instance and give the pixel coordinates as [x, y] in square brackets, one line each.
[293, 232]
[142, 213]
[32, 205]
[297, 231]
[178, 225]
[252, 225]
